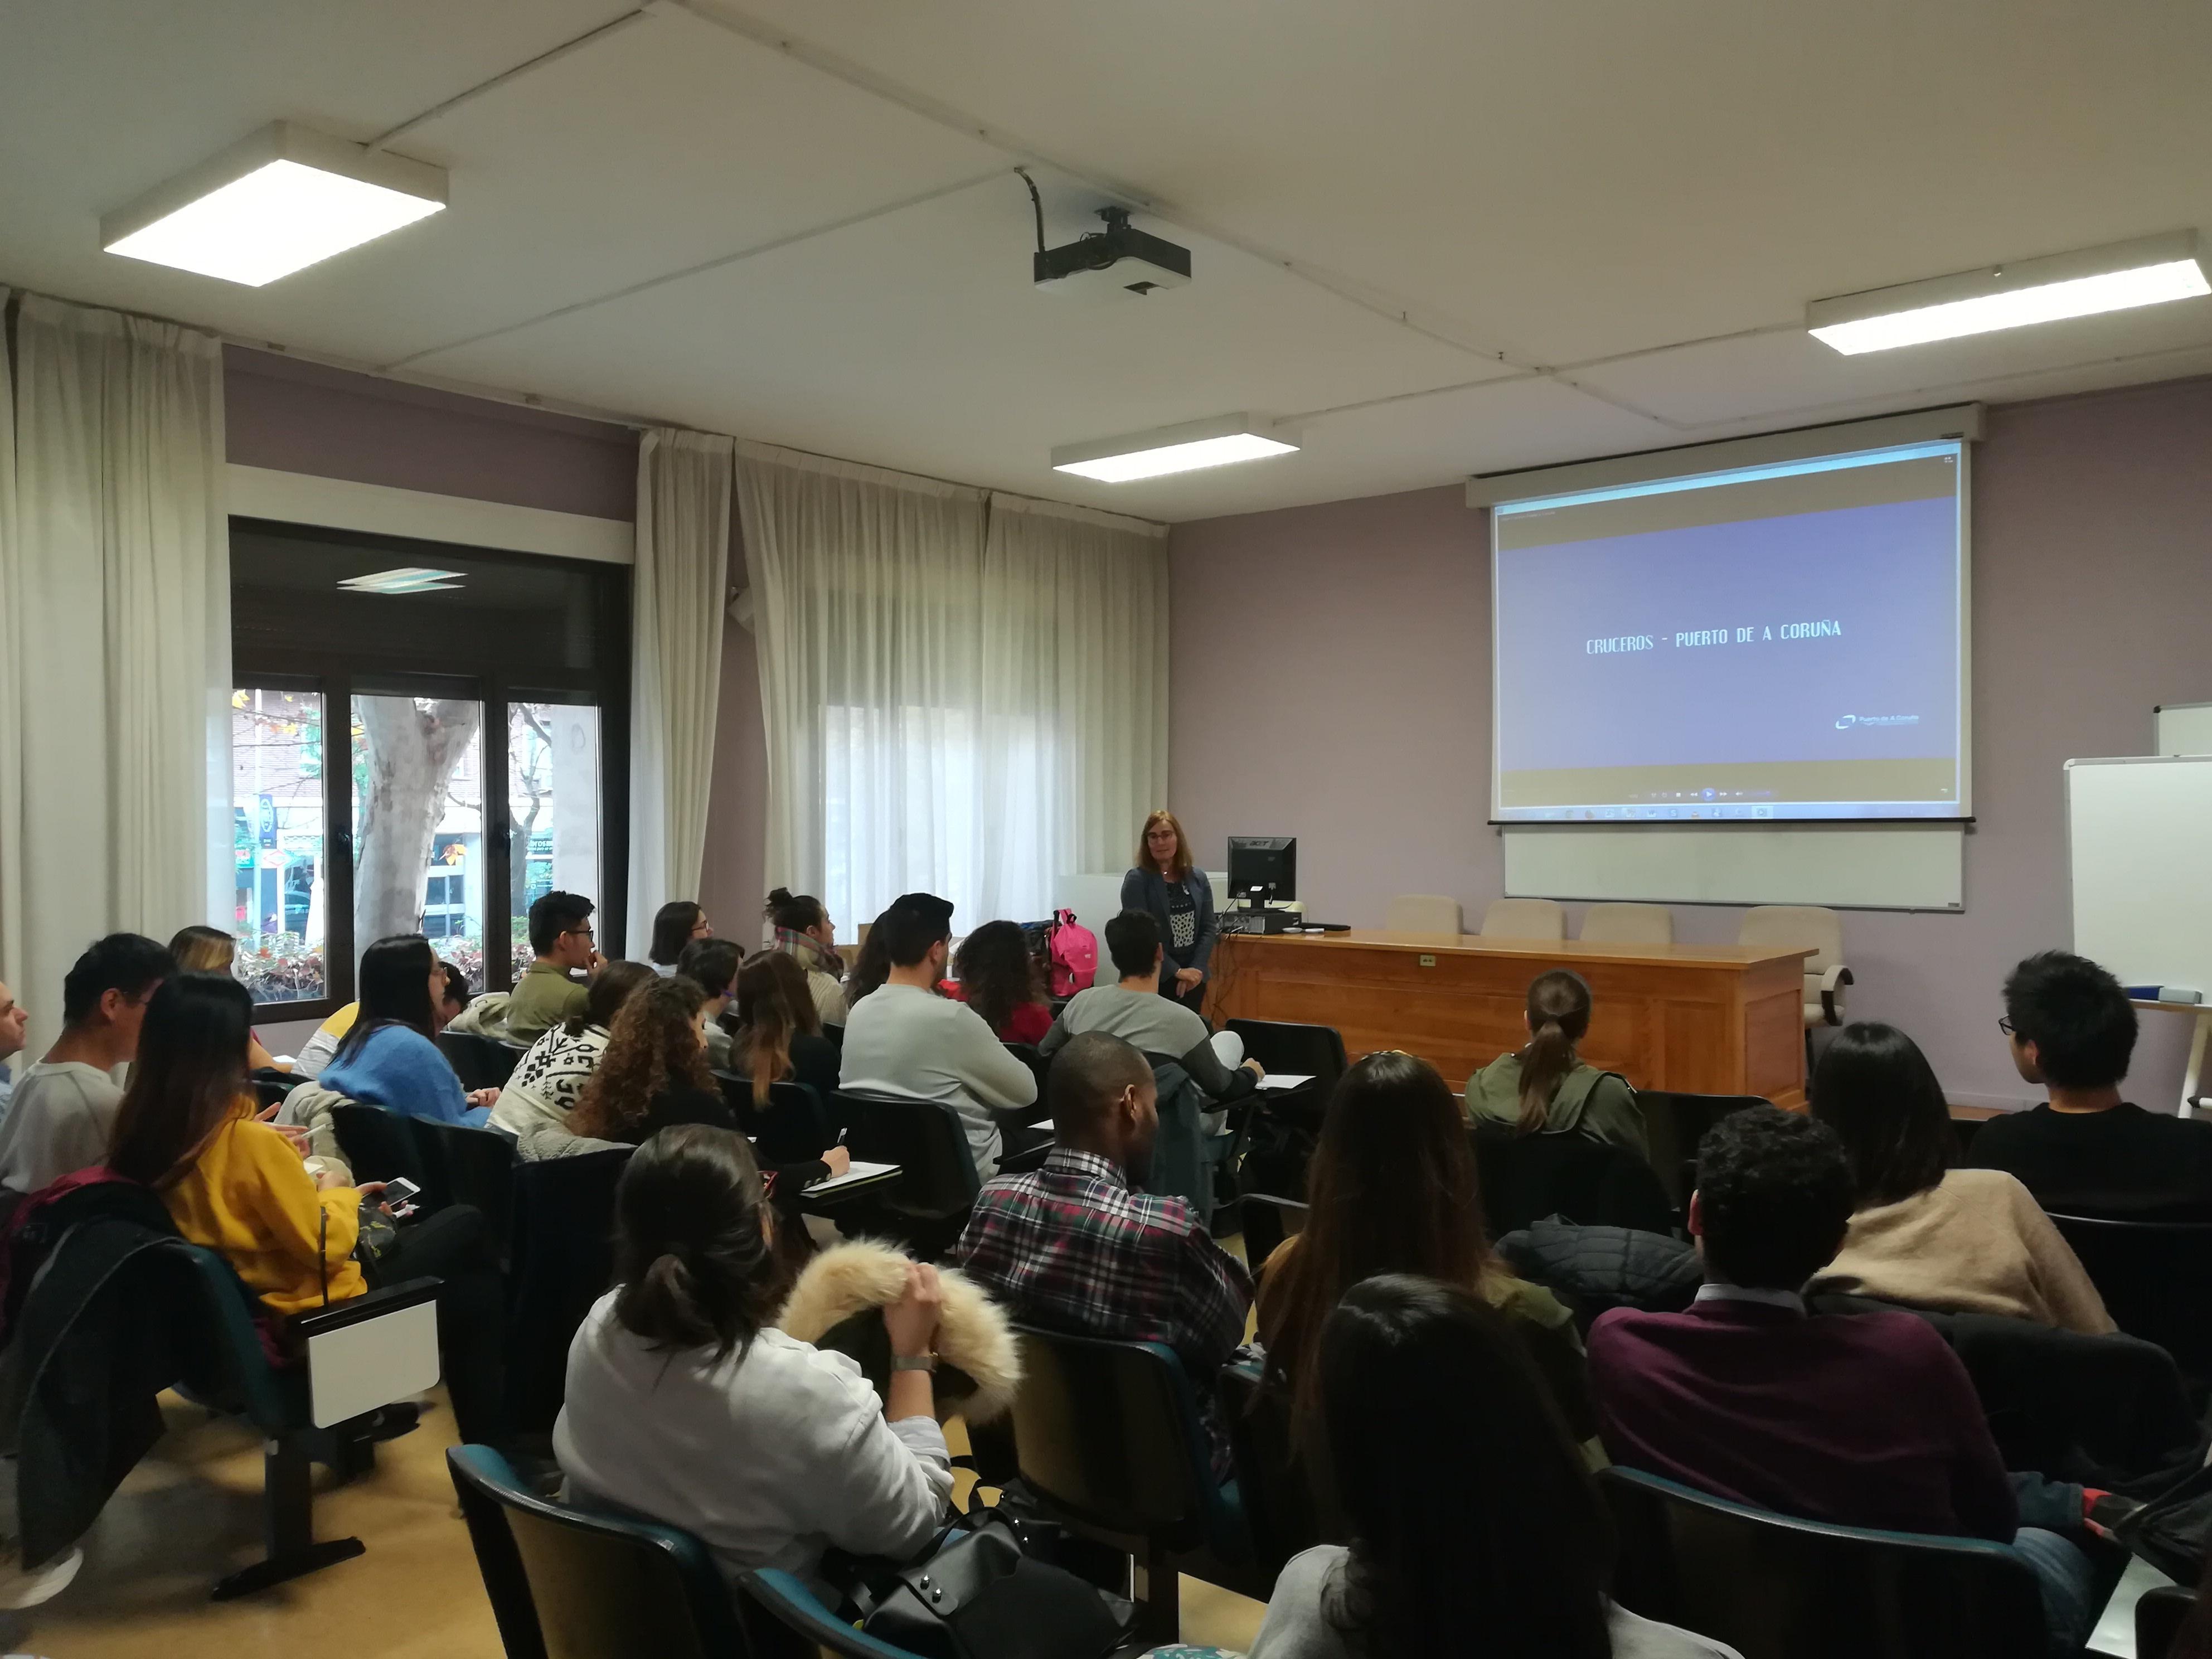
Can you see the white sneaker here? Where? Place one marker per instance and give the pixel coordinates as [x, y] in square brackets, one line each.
[21, 1587]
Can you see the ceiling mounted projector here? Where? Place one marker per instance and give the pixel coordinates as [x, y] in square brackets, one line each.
[1119, 258]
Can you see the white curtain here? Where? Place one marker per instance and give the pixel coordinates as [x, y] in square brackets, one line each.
[1075, 695]
[118, 576]
[680, 587]
[13, 941]
[953, 703]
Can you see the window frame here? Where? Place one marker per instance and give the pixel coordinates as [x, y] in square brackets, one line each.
[337, 675]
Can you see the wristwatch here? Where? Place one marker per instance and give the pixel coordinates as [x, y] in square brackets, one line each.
[919, 1362]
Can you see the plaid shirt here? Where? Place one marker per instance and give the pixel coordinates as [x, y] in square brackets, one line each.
[1072, 1248]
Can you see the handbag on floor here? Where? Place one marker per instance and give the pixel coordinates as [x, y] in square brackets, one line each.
[979, 1595]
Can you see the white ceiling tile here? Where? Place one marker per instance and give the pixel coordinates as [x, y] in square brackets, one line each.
[1550, 184]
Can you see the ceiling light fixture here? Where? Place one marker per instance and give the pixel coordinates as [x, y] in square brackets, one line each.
[407, 579]
[1183, 448]
[274, 204]
[2116, 277]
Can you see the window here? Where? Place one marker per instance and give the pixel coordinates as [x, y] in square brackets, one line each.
[276, 771]
[485, 697]
[902, 794]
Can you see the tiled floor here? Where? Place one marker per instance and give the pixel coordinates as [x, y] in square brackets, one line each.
[191, 1512]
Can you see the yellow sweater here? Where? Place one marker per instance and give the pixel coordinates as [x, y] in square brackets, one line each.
[248, 1197]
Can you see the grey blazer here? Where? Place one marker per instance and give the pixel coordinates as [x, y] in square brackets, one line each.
[1147, 889]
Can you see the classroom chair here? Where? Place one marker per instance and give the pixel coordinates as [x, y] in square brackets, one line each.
[377, 1145]
[789, 1599]
[1286, 1509]
[2155, 1277]
[563, 1261]
[1773, 1587]
[1673, 1125]
[1629, 924]
[1525, 1178]
[462, 1165]
[1109, 1438]
[196, 1320]
[576, 1583]
[480, 1061]
[1423, 913]
[928, 1140]
[1268, 1220]
[1524, 918]
[2160, 1614]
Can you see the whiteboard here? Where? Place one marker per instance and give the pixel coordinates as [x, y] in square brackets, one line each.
[1881, 867]
[2182, 728]
[2139, 854]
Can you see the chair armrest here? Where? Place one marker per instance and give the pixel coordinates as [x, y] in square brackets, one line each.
[1831, 982]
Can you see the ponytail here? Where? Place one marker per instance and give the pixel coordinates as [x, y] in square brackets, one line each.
[692, 1256]
[1559, 1015]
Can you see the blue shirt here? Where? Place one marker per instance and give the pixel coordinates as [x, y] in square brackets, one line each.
[401, 1070]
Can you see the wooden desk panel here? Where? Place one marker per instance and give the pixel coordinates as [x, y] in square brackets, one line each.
[1699, 1020]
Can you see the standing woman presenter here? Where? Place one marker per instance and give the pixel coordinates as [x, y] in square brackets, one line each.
[1175, 890]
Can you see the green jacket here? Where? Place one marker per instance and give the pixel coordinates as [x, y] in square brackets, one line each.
[543, 996]
[1588, 1102]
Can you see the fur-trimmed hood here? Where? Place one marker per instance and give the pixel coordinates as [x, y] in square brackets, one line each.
[836, 1303]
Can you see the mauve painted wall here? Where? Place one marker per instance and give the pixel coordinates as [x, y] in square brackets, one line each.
[1330, 679]
[291, 415]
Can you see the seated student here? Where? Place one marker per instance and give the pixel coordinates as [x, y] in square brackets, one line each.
[778, 1031]
[210, 950]
[653, 1076]
[1862, 1419]
[994, 973]
[675, 924]
[1077, 1247]
[546, 994]
[712, 965]
[237, 1186]
[1161, 1027]
[320, 1048]
[1392, 1189]
[1480, 1532]
[14, 1018]
[543, 1087]
[799, 926]
[387, 1059]
[1546, 1088]
[2088, 1151]
[684, 1405]
[870, 968]
[905, 1039]
[63, 1108]
[1966, 1241]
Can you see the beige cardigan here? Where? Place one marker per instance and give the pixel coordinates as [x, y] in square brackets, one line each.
[1974, 1243]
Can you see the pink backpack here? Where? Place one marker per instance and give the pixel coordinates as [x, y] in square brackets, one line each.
[1072, 952]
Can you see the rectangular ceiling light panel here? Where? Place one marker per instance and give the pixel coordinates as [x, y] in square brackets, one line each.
[2117, 277]
[407, 579]
[284, 199]
[1183, 448]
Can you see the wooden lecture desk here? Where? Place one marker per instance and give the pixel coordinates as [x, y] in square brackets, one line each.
[1707, 1019]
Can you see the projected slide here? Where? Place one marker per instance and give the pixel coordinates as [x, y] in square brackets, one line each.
[1777, 642]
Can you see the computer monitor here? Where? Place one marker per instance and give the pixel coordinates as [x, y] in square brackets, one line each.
[1263, 868]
